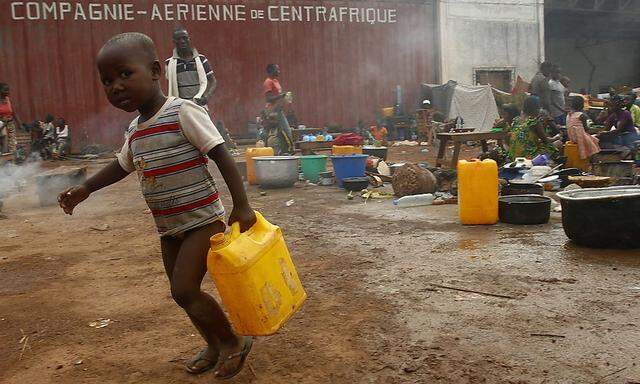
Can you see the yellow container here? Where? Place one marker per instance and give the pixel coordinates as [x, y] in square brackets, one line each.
[346, 150]
[256, 278]
[320, 138]
[478, 192]
[249, 155]
[572, 153]
[387, 112]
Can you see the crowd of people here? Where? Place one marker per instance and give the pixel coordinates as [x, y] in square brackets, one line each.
[552, 116]
[49, 137]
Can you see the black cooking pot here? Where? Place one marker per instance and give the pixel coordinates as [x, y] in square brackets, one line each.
[524, 209]
[565, 173]
[379, 152]
[522, 189]
[355, 184]
[602, 217]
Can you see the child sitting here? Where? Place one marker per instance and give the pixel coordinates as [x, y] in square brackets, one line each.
[167, 145]
[577, 129]
[380, 134]
[62, 138]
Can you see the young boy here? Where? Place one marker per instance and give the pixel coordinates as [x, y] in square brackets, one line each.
[165, 145]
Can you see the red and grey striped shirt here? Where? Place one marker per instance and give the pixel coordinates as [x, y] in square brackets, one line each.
[168, 152]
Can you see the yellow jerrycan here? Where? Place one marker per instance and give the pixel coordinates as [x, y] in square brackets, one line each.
[478, 192]
[572, 153]
[251, 168]
[255, 277]
[338, 150]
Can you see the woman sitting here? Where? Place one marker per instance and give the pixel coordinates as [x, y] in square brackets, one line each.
[528, 138]
[507, 114]
[619, 126]
[577, 129]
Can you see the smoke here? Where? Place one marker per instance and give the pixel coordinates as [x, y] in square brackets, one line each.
[14, 178]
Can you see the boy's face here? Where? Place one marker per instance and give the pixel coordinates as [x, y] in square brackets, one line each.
[128, 76]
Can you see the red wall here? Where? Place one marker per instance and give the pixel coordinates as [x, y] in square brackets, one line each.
[339, 71]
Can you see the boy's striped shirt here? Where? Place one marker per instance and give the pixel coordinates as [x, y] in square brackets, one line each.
[169, 154]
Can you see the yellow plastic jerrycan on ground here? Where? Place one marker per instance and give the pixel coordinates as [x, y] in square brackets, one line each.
[572, 153]
[256, 278]
[249, 155]
[478, 192]
[346, 150]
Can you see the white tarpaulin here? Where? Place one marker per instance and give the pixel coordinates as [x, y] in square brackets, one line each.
[476, 105]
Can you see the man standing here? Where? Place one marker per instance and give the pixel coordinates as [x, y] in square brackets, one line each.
[191, 77]
[540, 85]
[558, 92]
[189, 73]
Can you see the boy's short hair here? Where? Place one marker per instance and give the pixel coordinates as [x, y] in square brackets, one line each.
[139, 41]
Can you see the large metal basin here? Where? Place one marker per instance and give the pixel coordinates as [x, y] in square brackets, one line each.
[276, 171]
[602, 217]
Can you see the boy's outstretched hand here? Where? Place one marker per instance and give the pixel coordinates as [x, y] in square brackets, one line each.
[243, 215]
[72, 197]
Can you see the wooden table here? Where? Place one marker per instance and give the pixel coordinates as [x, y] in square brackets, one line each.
[299, 133]
[308, 147]
[459, 138]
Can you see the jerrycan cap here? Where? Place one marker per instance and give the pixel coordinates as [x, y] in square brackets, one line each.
[217, 239]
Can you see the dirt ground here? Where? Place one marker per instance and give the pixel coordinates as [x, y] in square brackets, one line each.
[566, 315]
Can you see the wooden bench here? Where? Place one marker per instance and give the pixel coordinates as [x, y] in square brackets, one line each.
[309, 147]
[459, 138]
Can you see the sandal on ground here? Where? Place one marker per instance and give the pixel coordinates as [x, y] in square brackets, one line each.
[201, 363]
[242, 356]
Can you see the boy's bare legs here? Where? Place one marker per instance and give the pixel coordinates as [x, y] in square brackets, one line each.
[185, 261]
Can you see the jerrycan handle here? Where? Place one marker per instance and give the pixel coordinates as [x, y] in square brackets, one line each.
[261, 223]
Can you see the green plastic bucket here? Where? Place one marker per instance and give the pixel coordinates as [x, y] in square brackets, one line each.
[312, 166]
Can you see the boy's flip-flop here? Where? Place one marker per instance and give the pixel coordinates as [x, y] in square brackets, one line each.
[194, 368]
[242, 355]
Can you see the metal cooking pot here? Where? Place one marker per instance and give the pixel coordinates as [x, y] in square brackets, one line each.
[614, 169]
[276, 171]
[602, 217]
[522, 189]
[524, 209]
